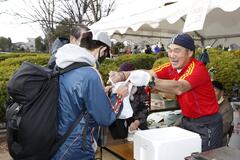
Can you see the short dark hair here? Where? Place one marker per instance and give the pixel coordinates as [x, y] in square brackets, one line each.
[88, 43]
[77, 30]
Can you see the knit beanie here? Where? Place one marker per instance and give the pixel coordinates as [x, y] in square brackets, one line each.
[183, 40]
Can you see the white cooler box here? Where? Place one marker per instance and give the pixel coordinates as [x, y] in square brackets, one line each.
[171, 143]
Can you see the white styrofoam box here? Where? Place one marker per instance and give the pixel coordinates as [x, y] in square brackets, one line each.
[171, 143]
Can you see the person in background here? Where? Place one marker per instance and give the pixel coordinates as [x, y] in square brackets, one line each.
[75, 34]
[162, 48]
[156, 49]
[138, 99]
[138, 102]
[136, 49]
[225, 109]
[148, 49]
[204, 57]
[128, 50]
[187, 78]
[81, 91]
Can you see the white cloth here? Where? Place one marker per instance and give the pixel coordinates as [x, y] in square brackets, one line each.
[139, 78]
[127, 110]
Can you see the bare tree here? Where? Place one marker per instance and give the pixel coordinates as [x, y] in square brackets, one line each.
[74, 10]
[49, 13]
[109, 7]
[85, 11]
[43, 13]
[97, 10]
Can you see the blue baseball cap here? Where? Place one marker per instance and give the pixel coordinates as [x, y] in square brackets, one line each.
[183, 40]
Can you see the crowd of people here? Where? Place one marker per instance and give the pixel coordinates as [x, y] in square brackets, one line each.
[148, 49]
[204, 108]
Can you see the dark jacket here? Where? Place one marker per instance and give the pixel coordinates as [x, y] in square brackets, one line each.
[226, 111]
[140, 107]
[58, 43]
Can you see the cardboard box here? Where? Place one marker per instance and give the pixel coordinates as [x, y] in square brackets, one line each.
[171, 143]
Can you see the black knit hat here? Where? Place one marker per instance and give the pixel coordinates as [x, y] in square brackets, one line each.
[218, 85]
[183, 40]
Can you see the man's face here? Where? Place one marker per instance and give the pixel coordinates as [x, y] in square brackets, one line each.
[178, 56]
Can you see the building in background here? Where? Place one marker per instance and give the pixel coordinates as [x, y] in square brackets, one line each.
[28, 46]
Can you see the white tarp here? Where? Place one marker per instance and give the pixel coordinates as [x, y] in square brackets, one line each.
[221, 19]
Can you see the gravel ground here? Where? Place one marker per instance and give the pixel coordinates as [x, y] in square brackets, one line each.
[4, 151]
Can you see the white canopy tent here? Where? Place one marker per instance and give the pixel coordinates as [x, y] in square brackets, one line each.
[206, 20]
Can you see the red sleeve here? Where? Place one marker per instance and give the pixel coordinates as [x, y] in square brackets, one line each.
[162, 71]
[196, 74]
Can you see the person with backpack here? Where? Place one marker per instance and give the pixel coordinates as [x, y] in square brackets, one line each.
[82, 92]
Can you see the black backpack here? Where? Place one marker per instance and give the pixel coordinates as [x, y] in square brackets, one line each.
[32, 112]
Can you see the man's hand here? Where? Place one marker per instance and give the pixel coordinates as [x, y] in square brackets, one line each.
[117, 76]
[122, 90]
[107, 89]
[134, 125]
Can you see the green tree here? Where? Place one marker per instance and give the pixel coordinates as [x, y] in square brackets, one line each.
[116, 47]
[5, 44]
[63, 28]
[40, 44]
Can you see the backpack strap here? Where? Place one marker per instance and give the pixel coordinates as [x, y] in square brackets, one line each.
[76, 122]
[66, 135]
[73, 66]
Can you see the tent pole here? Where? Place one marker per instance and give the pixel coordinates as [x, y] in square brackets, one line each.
[214, 42]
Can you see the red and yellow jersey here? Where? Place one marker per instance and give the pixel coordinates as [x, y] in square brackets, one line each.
[200, 100]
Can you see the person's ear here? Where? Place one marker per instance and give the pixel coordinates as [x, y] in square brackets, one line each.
[190, 53]
[72, 39]
[103, 49]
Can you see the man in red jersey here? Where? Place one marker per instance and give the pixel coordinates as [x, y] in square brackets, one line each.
[188, 78]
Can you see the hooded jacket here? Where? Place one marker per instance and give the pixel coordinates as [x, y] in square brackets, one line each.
[81, 90]
[59, 42]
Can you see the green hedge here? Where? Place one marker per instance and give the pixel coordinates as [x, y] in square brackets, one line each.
[227, 66]
[9, 64]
